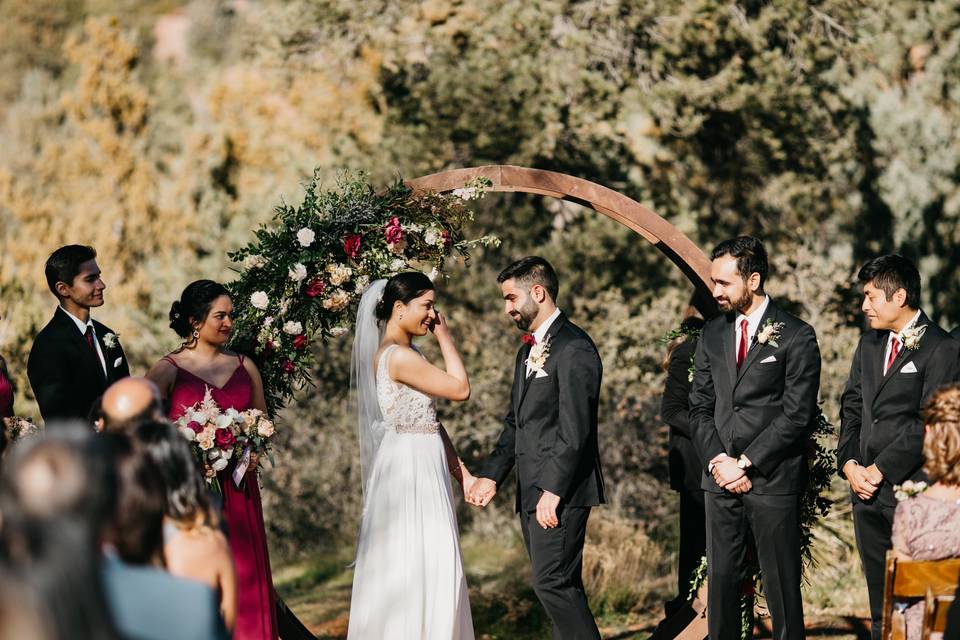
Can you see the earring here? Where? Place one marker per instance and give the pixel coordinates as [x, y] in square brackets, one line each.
[196, 334]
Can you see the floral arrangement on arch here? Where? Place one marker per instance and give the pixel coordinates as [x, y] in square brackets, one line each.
[301, 278]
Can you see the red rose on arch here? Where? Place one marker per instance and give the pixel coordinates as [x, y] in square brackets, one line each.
[446, 238]
[316, 288]
[267, 350]
[300, 342]
[224, 438]
[394, 231]
[351, 244]
[288, 367]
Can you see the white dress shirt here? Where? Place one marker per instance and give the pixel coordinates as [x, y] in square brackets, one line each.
[753, 322]
[898, 336]
[82, 327]
[541, 332]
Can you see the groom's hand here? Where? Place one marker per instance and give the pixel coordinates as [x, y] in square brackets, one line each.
[547, 510]
[726, 471]
[482, 492]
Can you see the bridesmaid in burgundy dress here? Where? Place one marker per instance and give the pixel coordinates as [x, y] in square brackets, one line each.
[6, 391]
[202, 318]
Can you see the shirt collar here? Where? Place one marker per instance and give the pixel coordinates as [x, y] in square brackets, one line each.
[912, 322]
[81, 325]
[541, 331]
[754, 318]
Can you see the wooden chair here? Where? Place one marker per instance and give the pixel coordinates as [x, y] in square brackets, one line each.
[935, 613]
[911, 580]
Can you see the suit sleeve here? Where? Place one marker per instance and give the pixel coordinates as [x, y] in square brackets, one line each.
[800, 388]
[703, 402]
[675, 403]
[501, 459]
[904, 455]
[851, 413]
[49, 381]
[578, 382]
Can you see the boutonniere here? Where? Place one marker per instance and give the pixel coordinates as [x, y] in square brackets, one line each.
[539, 354]
[769, 333]
[911, 337]
[110, 340]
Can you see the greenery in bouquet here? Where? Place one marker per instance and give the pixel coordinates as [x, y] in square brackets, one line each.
[302, 276]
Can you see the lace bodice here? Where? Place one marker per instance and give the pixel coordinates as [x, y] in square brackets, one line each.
[404, 409]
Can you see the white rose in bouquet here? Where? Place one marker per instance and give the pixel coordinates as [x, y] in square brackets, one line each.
[220, 464]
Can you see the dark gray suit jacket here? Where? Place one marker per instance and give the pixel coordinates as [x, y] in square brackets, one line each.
[685, 469]
[550, 430]
[765, 411]
[880, 415]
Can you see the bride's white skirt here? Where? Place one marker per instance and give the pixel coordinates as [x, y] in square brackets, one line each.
[409, 583]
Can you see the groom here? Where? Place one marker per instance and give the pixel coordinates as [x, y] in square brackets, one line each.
[550, 431]
[74, 358]
[752, 411]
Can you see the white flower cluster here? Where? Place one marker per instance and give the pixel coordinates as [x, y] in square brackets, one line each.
[909, 489]
[398, 265]
[260, 300]
[292, 328]
[297, 272]
[466, 193]
[337, 301]
[254, 261]
[305, 237]
[336, 332]
[433, 237]
[339, 274]
[361, 282]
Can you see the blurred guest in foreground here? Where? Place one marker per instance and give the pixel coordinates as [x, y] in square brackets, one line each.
[128, 403]
[193, 547]
[927, 525]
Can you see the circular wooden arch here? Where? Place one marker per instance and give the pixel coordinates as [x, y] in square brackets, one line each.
[630, 213]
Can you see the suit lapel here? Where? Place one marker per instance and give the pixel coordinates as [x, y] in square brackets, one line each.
[519, 381]
[730, 349]
[902, 356]
[72, 333]
[551, 333]
[755, 347]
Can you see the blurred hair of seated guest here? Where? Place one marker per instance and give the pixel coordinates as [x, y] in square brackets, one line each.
[927, 526]
[128, 403]
[56, 494]
[194, 547]
[147, 602]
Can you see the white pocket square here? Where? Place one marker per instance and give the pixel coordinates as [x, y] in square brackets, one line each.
[541, 374]
[116, 363]
[768, 359]
[909, 368]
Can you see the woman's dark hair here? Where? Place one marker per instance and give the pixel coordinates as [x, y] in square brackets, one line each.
[63, 265]
[750, 254]
[889, 274]
[187, 497]
[194, 305]
[141, 502]
[402, 287]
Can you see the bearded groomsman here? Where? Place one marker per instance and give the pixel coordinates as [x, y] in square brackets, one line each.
[899, 362]
[74, 358]
[752, 409]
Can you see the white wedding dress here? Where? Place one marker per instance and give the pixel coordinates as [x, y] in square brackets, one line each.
[409, 582]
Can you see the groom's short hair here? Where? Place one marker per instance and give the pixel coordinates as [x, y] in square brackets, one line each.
[530, 271]
[63, 265]
[890, 273]
[750, 254]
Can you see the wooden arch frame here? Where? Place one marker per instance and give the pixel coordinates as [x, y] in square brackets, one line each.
[630, 213]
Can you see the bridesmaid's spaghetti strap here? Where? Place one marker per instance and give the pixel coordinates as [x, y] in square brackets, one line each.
[171, 361]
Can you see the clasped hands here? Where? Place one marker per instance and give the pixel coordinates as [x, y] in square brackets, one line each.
[865, 481]
[480, 491]
[728, 475]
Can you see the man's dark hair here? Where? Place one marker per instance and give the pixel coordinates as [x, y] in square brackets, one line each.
[750, 254]
[890, 273]
[63, 265]
[530, 271]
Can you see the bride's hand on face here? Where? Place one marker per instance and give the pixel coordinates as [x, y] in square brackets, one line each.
[439, 325]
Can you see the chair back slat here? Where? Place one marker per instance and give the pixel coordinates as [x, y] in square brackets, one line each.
[913, 579]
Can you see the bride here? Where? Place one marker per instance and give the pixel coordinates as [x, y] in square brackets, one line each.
[409, 582]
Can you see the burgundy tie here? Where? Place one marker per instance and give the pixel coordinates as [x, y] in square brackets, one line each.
[742, 351]
[88, 334]
[894, 349]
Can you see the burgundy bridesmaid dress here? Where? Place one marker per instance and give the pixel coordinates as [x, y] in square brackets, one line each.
[256, 599]
[6, 396]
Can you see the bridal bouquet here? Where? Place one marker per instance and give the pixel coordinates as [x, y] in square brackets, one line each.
[218, 436]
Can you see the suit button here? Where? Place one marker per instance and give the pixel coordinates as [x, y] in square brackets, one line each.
[875, 421]
[737, 408]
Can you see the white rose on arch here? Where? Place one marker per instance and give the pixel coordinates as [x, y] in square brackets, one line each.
[260, 300]
[254, 261]
[305, 237]
[297, 272]
[293, 328]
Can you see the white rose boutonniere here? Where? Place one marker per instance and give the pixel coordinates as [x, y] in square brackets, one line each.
[769, 333]
[539, 353]
[912, 337]
[110, 340]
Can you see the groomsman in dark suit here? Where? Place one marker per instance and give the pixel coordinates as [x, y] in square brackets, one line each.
[752, 409]
[74, 358]
[899, 362]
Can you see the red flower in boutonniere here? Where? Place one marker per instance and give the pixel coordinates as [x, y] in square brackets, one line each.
[528, 338]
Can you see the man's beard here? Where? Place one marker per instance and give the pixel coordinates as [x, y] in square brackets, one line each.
[738, 305]
[528, 312]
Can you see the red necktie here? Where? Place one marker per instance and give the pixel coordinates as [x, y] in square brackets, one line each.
[88, 334]
[894, 349]
[528, 338]
[742, 351]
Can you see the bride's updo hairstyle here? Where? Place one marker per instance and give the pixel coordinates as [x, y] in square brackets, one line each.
[402, 287]
[194, 305]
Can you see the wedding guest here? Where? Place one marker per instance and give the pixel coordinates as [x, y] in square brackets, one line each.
[898, 364]
[147, 602]
[74, 358]
[130, 402]
[7, 390]
[927, 526]
[194, 547]
[685, 470]
[56, 494]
